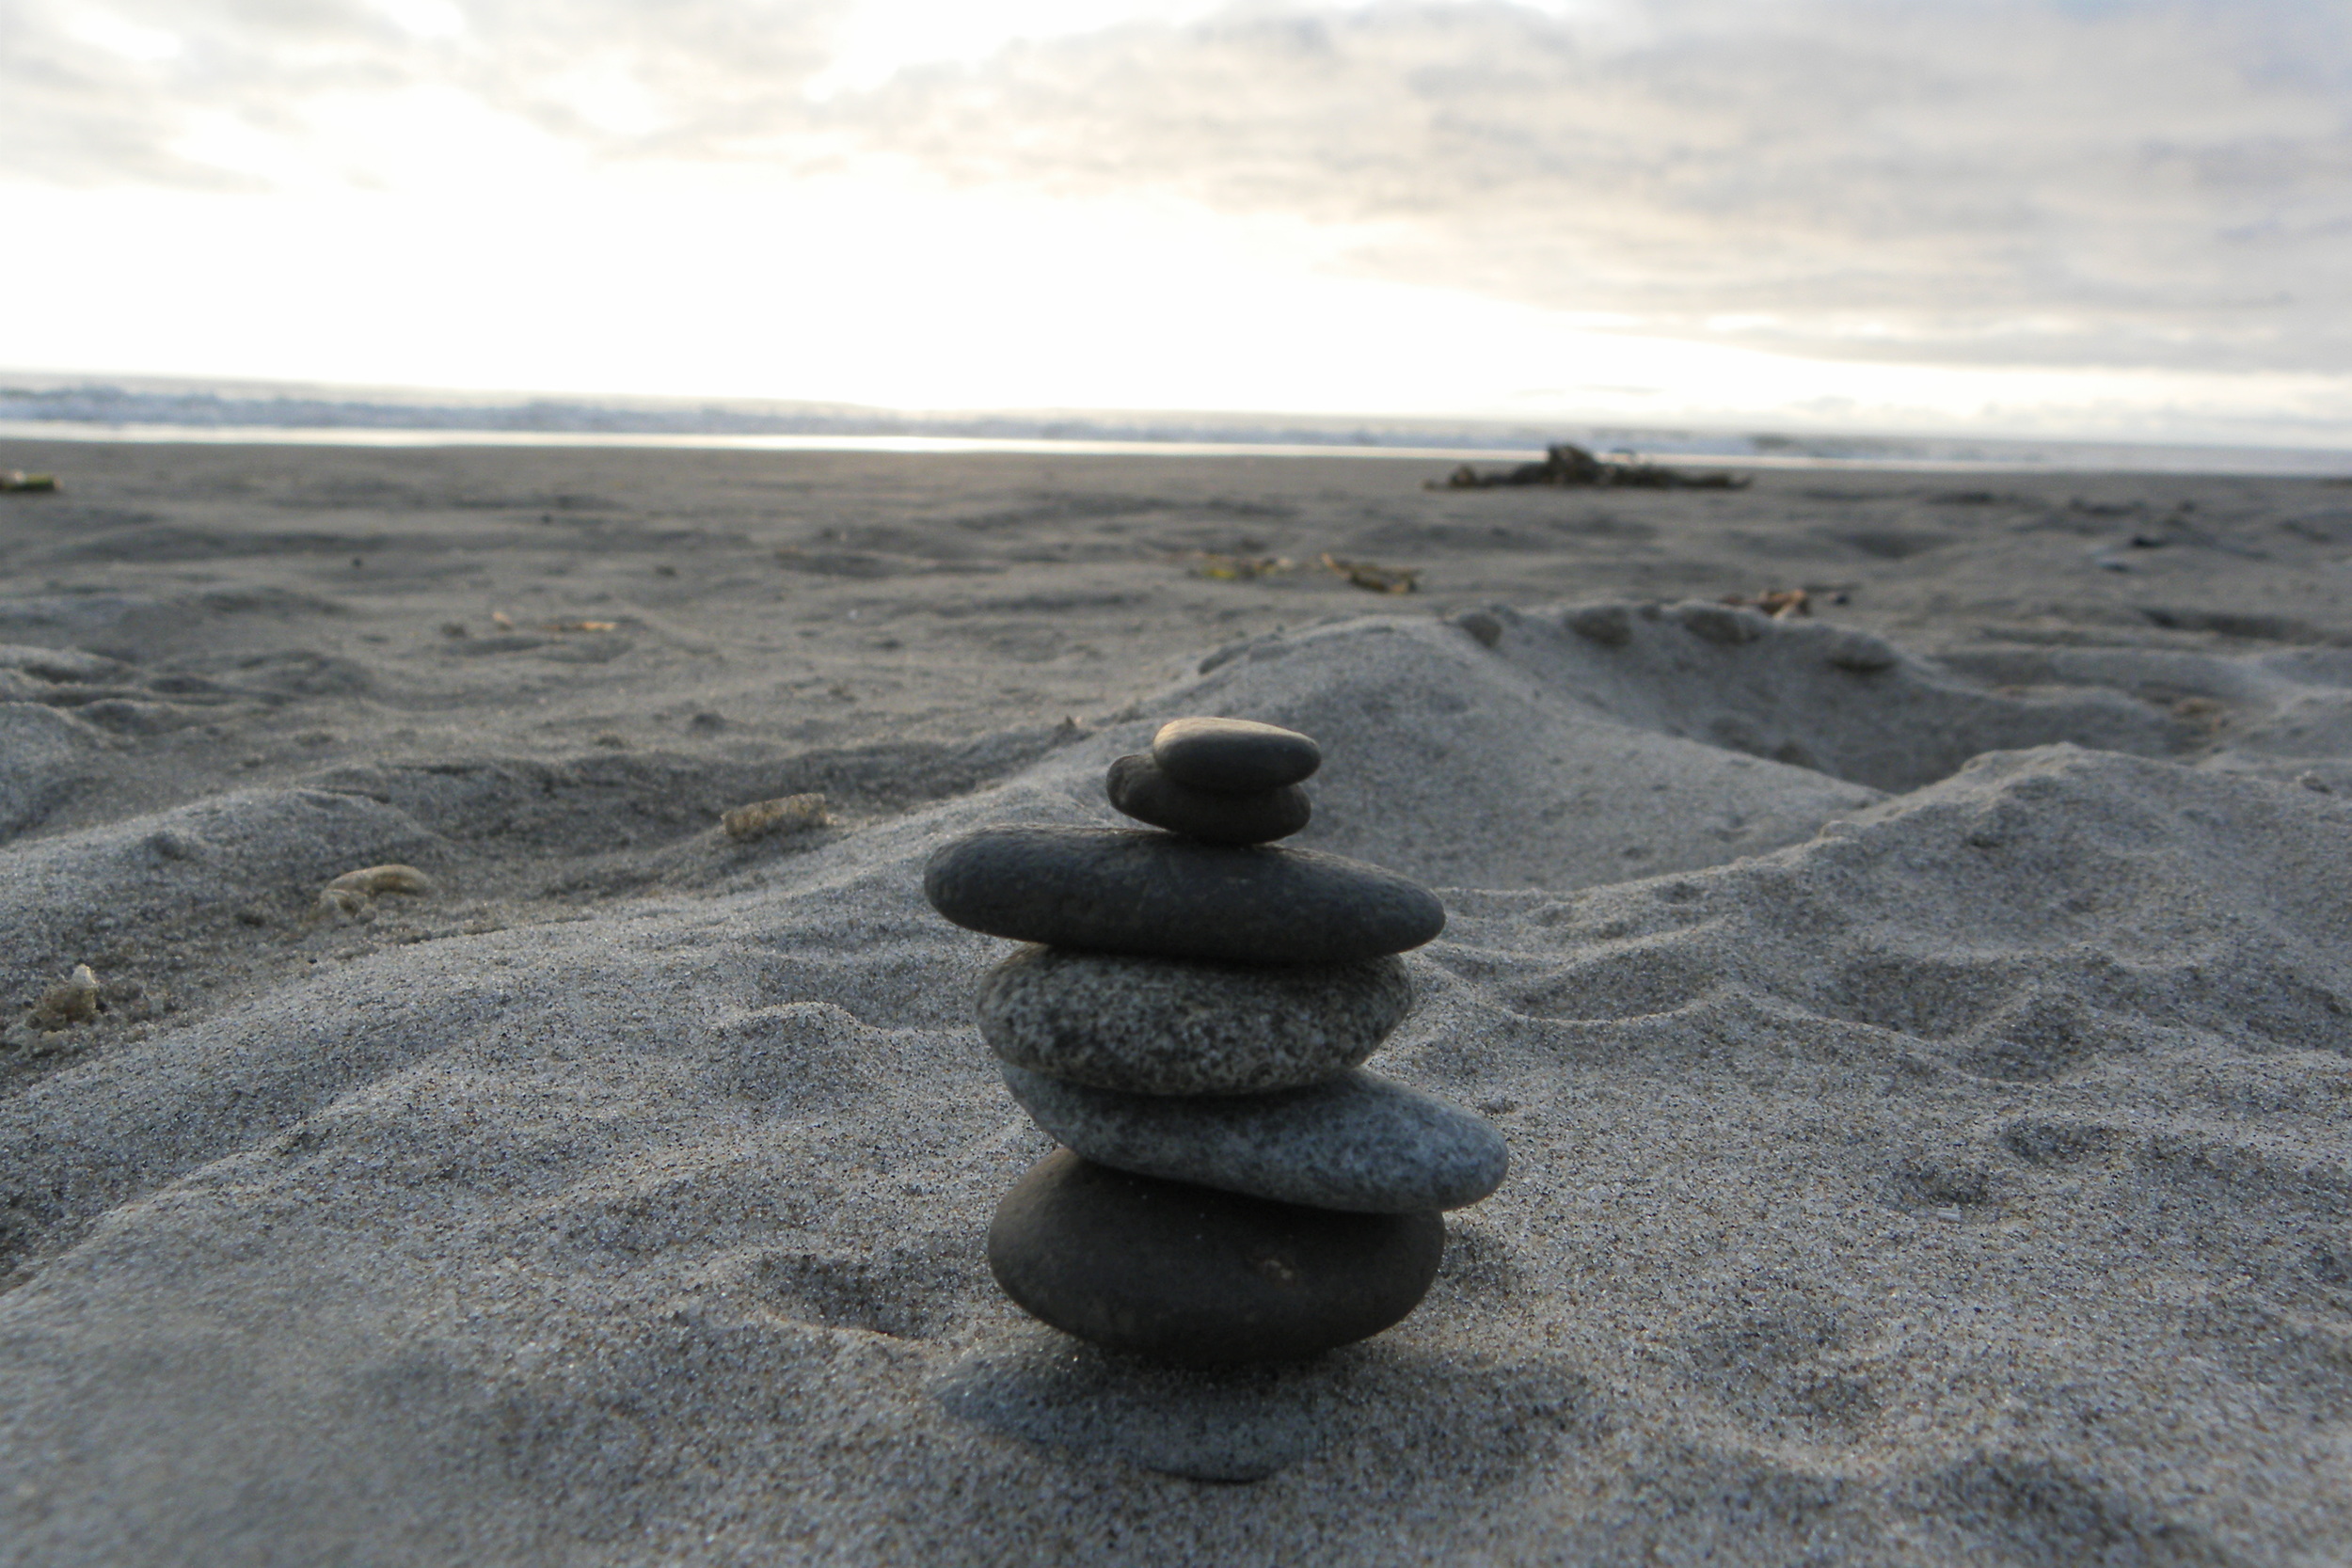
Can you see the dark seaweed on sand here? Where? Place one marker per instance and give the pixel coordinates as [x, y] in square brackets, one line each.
[1569, 467]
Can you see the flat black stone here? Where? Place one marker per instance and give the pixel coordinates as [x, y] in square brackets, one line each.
[1233, 756]
[1137, 788]
[1114, 889]
[1201, 1278]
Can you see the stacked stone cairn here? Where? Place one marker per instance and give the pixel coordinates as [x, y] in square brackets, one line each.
[1187, 1024]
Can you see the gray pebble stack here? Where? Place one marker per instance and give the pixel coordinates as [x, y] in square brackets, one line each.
[1187, 1023]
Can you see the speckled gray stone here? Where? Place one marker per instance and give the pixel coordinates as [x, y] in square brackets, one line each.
[1114, 890]
[1189, 1274]
[1233, 756]
[1137, 788]
[1358, 1142]
[1167, 1027]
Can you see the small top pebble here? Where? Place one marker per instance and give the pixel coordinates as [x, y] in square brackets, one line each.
[1233, 756]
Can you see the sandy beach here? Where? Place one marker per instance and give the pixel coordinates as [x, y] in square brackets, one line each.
[1922, 1027]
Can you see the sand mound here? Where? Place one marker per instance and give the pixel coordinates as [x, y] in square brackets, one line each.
[1511, 750]
[1951, 1176]
[133, 887]
[45, 756]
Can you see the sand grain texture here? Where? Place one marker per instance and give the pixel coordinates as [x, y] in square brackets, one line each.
[1926, 1080]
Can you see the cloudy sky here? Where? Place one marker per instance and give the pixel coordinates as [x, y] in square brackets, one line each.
[2075, 216]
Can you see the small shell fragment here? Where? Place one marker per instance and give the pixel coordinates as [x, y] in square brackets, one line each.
[344, 905]
[73, 999]
[351, 895]
[372, 880]
[789, 814]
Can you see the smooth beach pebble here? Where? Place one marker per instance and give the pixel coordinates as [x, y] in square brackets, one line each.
[1358, 1142]
[1159, 1026]
[1233, 756]
[1190, 1274]
[1115, 891]
[1138, 788]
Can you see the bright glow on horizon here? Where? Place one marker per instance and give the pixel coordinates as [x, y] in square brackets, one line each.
[577, 290]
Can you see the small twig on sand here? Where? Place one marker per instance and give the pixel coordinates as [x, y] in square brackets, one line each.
[1237, 568]
[1781, 604]
[1375, 578]
[788, 813]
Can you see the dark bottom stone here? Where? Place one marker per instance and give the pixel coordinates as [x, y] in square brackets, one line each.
[1202, 1278]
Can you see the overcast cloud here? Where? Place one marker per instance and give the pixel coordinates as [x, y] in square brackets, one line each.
[2028, 181]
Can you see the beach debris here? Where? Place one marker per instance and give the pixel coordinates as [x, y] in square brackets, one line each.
[785, 814]
[1237, 568]
[80, 998]
[580, 625]
[390, 878]
[70, 1000]
[1373, 577]
[1190, 1036]
[499, 619]
[1781, 604]
[2201, 710]
[344, 905]
[17, 479]
[1567, 466]
[351, 897]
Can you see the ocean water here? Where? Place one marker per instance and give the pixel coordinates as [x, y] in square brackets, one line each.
[317, 416]
[348, 436]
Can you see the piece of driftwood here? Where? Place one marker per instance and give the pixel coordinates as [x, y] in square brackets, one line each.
[1373, 577]
[1781, 604]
